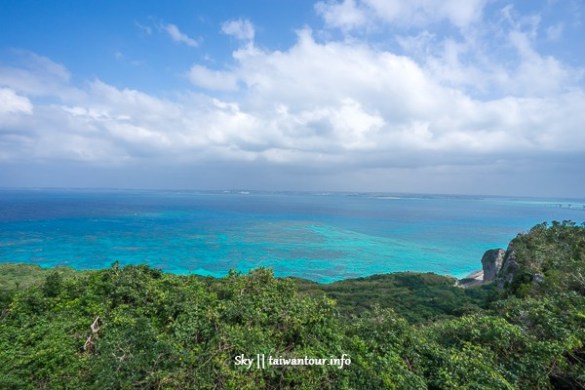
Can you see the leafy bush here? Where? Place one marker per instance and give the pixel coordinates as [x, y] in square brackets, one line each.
[403, 331]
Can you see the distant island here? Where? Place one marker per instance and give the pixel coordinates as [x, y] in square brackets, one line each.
[519, 325]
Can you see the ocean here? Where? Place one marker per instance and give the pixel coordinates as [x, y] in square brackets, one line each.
[323, 237]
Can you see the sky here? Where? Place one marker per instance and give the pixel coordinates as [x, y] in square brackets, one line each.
[427, 96]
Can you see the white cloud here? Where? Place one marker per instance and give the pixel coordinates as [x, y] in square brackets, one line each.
[555, 32]
[14, 110]
[527, 78]
[345, 15]
[38, 76]
[213, 79]
[494, 59]
[178, 36]
[241, 29]
[315, 104]
[352, 14]
[10, 102]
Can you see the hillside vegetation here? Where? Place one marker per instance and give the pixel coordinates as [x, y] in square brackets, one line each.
[135, 327]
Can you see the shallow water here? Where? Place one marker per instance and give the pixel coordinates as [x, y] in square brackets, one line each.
[323, 237]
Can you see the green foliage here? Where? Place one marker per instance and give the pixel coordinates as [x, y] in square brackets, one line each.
[53, 284]
[153, 330]
[21, 276]
[417, 297]
[556, 252]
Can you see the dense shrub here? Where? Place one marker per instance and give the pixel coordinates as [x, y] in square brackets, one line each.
[404, 331]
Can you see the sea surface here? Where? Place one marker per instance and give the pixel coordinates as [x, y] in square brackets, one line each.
[319, 236]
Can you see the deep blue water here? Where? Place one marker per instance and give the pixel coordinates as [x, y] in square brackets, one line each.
[323, 237]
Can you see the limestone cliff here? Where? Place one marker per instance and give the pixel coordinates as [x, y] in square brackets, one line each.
[548, 257]
[491, 263]
[509, 267]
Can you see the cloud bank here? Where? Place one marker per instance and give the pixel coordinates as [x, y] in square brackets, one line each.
[427, 113]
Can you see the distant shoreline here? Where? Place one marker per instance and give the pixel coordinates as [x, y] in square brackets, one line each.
[565, 201]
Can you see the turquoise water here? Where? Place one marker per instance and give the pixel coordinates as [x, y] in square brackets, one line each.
[319, 236]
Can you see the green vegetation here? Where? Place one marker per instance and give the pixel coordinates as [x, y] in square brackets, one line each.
[21, 276]
[416, 297]
[555, 254]
[153, 330]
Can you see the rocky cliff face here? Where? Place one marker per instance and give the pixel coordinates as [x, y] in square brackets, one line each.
[509, 267]
[498, 265]
[491, 262]
[524, 268]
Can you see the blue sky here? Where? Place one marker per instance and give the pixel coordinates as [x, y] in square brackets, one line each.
[453, 96]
